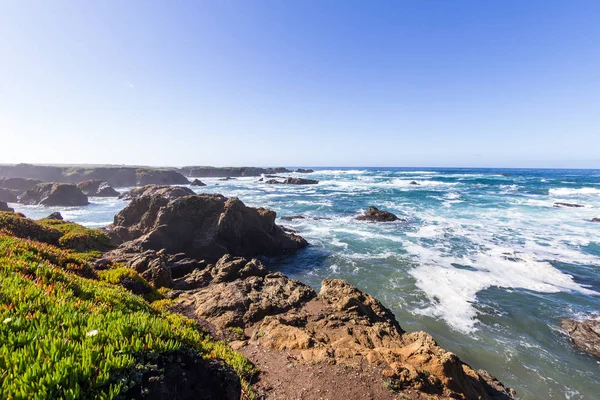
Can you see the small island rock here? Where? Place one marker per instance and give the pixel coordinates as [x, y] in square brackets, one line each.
[97, 188]
[54, 194]
[197, 182]
[374, 214]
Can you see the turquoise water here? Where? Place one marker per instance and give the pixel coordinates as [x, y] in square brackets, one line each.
[482, 261]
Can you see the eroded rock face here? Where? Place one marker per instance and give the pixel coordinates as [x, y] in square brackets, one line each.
[339, 325]
[202, 226]
[97, 188]
[374, 214]
[54, 194]
[585, 334]
[168, 192]
[5, 207]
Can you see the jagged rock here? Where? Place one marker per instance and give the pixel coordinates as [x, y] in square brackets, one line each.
[374, 214]
[293, 181]
[97, 188]
[152, 266]
[55, 215]
[5, 207]
[202, 226]
[559, 204]
[168, 192]
[54, 194]
[414, 183]
[585, 334]
[339, 325]
[197, 182]
[8, 196]
[304, 171]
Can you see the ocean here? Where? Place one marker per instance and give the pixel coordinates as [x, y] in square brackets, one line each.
[482, 259]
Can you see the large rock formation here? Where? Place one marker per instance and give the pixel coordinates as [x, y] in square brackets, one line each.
[5, 207]
[373, 214]
[202, 226]
[168, 192]
[7, 196]
[214, 172]
[54, 194]
[97, 188]
[585, 334]
[340, 325]
[114, 176]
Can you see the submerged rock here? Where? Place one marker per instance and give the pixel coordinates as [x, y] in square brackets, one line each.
[197, 182]
[4, 207]
[202, 226]
[585, 334]
[168, 192]
[374, 214]
[414, 183]
[97, 188]
[559, 204]
[54, 194]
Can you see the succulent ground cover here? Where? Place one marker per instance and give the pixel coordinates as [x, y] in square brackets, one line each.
[70, 331]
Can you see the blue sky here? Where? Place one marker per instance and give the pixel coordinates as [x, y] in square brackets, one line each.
[301, 83]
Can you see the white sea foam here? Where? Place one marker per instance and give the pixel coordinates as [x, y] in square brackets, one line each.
[573, 192]
[453, 291]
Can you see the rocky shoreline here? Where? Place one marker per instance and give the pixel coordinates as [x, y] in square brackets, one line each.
[198, 248]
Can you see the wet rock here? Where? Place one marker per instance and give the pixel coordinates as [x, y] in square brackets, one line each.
[304, 171]
[374, 214]
[197, 182]
[595, 219]
[227, 178]
[7, 196]
[293, 181]
[4, 207]
[202, 226]
[505, 174]
[167, 192]
[56, 216]
[54, 194]
[559, 204]
[414, 183]
[585, 334]
[97, 188]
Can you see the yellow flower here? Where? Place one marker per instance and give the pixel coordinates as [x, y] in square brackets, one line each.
[7, 320]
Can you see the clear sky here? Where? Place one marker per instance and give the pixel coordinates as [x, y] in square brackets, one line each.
[301, 82]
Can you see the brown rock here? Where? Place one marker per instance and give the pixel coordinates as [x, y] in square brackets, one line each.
[55, 215]
[293, 181]
[54, 194]
[585, 334]
[97, 188]
[373, 214]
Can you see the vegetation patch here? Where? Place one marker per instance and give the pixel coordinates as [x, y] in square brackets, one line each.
[17, 225]
[77, 237]
[68, 331]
